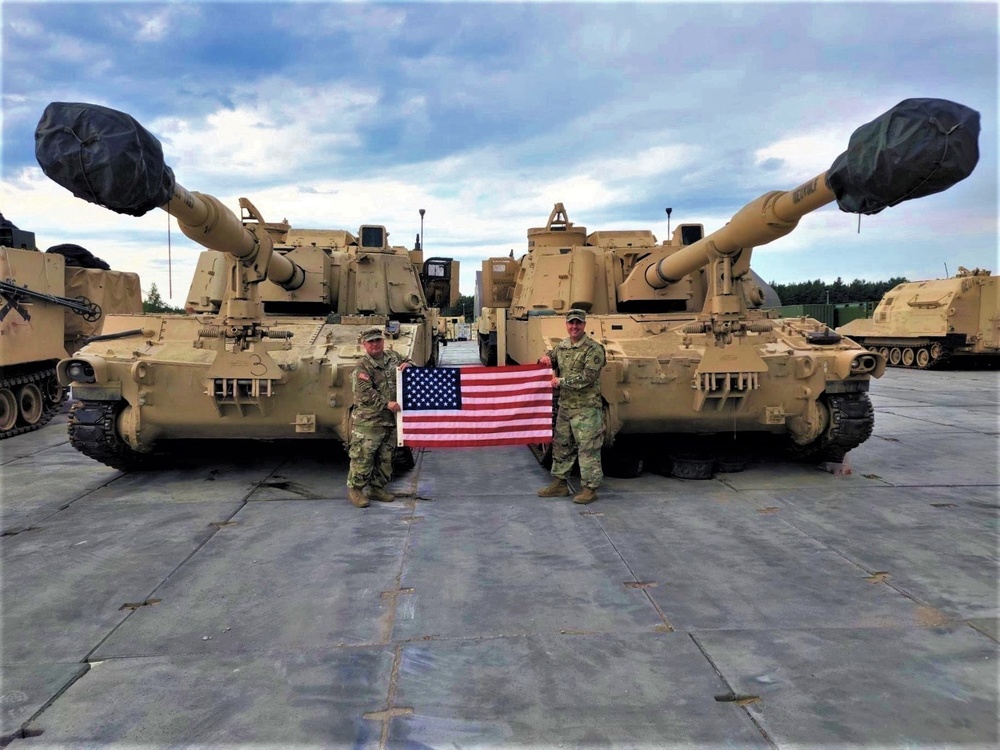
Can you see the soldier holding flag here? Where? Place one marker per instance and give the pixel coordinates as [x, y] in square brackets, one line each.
[579, 431]
[373, 431]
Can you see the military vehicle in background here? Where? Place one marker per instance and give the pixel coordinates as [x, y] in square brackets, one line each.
[690, 350]
[51, 303]
[921, 324]
[274, 313]
[454, 328]
[494, 292]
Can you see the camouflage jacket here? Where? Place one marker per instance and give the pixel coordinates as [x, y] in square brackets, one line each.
[373, 383]
[578, 367]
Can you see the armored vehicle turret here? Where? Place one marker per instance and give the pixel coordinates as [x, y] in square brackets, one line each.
[51, 303]
[690, 349]
[273, 317]
[921, 324]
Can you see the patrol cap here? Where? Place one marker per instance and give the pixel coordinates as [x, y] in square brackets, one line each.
[577, 314]
[372, 334]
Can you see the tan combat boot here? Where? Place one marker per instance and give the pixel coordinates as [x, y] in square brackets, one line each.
[586, 495]
[377, 493]
[357, 497]
[558, 488]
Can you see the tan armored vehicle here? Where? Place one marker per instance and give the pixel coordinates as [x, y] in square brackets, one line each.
[494, 292]
[920, 324]
[48, 309]
[689, 351]
[275, 312]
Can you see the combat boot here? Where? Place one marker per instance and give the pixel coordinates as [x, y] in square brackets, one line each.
[558, 488]
[357, 497]
[377, 493]
[586, 495]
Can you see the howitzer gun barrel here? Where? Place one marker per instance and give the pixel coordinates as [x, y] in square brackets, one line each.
[919, 147]
[106, 157]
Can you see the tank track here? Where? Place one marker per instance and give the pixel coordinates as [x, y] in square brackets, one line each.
[927, 346]
[92, 431]
[852, 419]
[45, 381]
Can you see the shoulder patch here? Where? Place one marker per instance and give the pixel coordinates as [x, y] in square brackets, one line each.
[364, 376]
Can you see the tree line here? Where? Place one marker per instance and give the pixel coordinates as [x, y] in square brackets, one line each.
[818, 292]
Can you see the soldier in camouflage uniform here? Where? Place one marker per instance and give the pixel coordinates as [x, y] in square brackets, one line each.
[373, 435]
[579, 430]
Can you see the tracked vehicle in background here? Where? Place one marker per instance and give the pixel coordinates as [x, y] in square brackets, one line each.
[267, 346]
[50, 304]
[920, 324]
[692, 356]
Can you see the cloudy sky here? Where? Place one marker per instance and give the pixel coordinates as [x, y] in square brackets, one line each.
[333, 115]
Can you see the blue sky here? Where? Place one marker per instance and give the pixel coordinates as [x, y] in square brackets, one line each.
[485, 114]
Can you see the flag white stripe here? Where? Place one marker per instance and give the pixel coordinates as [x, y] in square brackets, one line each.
[532, 399]
[541, 434]
[479, 413]
[480, 426]
[543, 376]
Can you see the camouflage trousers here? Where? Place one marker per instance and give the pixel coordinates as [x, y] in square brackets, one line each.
[371, 450]
[578, 434]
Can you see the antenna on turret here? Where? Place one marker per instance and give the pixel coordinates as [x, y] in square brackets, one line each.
[669, 211]
[946, 274]
[422, 212]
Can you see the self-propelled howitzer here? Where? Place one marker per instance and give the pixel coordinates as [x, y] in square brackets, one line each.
[690, 348]
[270, 335]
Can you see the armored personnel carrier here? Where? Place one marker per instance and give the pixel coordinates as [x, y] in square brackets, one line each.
[266, 348]
[690, 350]
[50, 304]
[921, 324]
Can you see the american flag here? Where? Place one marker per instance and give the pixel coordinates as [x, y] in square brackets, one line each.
[461, 407]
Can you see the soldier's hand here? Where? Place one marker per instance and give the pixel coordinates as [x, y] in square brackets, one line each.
[546, 360]
[403, 365]
[394, 406]
[555, 382]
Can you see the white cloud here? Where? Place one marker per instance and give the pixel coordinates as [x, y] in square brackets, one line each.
[486, 115]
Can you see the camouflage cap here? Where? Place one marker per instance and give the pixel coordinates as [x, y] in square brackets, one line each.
[577, 314]
[372, 334]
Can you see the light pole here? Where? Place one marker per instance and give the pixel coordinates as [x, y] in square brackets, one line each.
[669, 211]
[422, 212]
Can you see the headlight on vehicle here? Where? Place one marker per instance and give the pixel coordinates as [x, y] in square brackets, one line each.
[863, 363]
[80, 371]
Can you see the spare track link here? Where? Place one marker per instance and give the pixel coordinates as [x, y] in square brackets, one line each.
[92, 432]
[852, 418]
[49, 409]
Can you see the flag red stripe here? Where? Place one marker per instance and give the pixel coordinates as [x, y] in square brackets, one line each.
[505, 371]
[418, 418]
[419, 443]
[481, 390]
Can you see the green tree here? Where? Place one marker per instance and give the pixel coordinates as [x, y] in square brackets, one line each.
[154, 302]
[463, 308]
[816, 292]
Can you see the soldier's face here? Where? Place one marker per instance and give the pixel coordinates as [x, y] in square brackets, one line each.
[575, 329]
[374, 348]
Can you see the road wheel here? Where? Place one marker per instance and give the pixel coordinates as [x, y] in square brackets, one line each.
[54, 392]
[936, 351]
[30, 403]
[923, 358]
[908, 357]
[895, 356]
[884, 351]
[8, 409]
